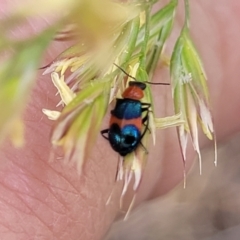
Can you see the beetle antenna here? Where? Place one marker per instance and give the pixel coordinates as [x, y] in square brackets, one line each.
[125, 72]
[136, 79]
[160, 83]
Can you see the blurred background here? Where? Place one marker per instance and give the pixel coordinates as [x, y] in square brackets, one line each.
[208, 209]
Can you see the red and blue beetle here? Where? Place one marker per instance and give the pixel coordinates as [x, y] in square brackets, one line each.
[126, 123]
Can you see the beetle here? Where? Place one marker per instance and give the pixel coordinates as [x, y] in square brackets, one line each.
[125, 130]
[124, 133]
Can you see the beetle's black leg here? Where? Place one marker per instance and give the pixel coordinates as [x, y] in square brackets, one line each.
[146, 119]
[145, 109]
[104, 132]
[144, 148]
[146, 106]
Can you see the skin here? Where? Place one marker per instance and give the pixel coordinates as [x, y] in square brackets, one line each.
[49, 200]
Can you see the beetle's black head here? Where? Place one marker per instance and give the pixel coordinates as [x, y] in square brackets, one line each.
[141, 85]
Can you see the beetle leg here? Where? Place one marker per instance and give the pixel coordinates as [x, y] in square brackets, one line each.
[104, 132]
[146, 106]
[146, 119]
[145, 149]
